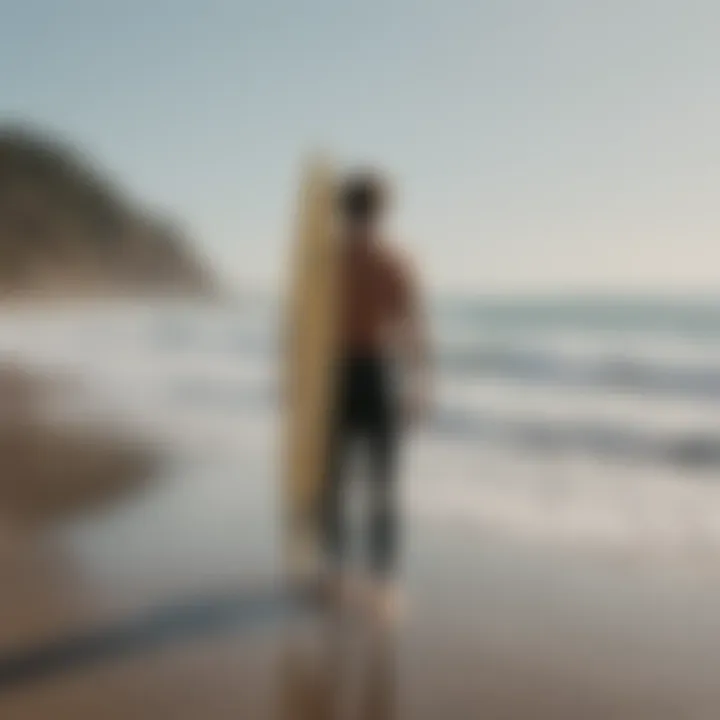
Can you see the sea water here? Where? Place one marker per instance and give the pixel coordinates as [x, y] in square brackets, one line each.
[577, 421]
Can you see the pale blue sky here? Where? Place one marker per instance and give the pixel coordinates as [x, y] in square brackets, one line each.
[537, 143]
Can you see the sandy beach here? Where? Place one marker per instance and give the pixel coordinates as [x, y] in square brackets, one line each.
[494, 628]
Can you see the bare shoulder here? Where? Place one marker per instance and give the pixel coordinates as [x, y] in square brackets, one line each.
[399, 261]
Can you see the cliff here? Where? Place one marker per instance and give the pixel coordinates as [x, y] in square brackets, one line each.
[66, 228]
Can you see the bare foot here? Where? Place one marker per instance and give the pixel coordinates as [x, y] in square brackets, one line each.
[387, 603]
[330, 589]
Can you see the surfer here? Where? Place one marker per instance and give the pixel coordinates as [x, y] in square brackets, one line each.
[383, 349]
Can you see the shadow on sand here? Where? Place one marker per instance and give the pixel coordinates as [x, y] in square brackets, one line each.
[176, 622]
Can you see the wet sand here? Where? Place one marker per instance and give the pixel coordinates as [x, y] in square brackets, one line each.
[170, 605]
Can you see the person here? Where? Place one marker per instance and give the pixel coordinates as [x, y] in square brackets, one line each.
[383, 349]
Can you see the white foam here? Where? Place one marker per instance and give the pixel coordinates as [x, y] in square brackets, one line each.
[122, 354]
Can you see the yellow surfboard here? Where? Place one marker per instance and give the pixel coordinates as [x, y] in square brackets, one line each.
[309, 360]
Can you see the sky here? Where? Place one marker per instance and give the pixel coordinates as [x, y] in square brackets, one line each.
[536, 145]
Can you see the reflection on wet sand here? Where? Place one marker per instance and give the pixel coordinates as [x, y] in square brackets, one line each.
[344, 670]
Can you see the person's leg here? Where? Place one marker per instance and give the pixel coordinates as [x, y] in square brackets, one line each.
[383, 516]
[381, 433]
[332, 502]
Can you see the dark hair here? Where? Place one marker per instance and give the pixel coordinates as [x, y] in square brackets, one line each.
[363, 196]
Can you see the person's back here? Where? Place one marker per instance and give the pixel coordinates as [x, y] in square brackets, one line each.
[379, 325]
[375, 293]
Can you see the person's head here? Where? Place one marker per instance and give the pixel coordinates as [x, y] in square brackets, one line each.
[363, 200]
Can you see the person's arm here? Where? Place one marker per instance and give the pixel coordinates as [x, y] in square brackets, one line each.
[415, 344]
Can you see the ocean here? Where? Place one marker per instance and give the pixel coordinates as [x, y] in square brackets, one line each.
[584, 422]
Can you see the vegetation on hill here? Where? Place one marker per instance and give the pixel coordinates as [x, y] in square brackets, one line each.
[66, 227]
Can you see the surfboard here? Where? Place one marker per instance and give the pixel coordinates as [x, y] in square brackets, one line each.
[310, 326]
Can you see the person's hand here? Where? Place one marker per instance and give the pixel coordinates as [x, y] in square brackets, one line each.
[415, 409]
